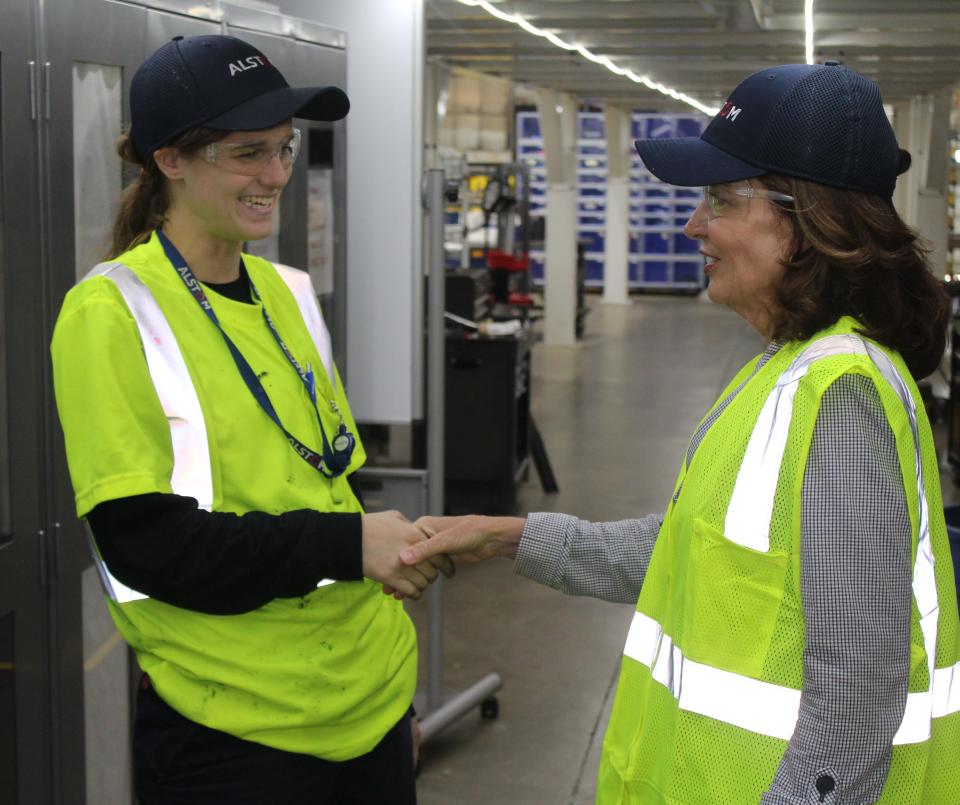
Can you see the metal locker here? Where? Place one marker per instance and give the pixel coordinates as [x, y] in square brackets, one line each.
[92, 49]
[24, 652]
[65, 70]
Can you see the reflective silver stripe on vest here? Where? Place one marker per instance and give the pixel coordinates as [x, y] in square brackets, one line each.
[751, 703]
[762, 707]
[306, 298]
[115, 589]
[192, 474]
[302, 289]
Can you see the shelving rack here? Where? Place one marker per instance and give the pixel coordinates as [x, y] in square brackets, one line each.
[660, 255]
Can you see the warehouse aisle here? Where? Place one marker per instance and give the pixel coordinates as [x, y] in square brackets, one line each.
[616, 413]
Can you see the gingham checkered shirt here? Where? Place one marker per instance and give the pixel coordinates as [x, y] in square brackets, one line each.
[855, 581]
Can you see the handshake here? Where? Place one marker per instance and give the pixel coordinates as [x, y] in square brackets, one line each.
[407, 557]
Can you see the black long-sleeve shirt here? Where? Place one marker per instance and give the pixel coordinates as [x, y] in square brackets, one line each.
[165, 546]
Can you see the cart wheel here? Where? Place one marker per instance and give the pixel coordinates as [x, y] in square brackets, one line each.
[490, 708]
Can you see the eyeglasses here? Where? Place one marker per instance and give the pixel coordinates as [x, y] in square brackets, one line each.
[252, 158]
[717, 197]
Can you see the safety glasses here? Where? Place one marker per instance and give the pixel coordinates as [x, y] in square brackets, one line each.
[252, 158]
[722, 199]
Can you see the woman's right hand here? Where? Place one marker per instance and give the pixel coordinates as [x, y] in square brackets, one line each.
[385, 535]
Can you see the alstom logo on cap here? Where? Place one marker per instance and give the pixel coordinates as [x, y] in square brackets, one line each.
[729, 111]
[249, 63]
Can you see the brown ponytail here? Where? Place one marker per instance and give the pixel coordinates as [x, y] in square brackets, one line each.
[144, 203]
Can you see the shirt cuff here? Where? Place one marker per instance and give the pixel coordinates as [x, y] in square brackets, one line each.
[338, 548]
[544, 547]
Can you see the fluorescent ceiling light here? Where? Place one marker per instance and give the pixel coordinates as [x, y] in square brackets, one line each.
[808, 22]
[519, 21]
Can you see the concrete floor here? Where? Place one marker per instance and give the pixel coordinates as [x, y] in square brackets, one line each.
[616, 413]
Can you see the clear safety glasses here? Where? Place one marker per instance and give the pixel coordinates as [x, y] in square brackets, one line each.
[252, 158]
[722, 199]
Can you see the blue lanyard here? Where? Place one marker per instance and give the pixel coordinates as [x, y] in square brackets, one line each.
[332, 461]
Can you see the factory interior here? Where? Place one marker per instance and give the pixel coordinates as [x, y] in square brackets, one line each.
[519, 321]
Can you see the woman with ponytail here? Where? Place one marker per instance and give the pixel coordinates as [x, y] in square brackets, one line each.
[212, 453]
[144, 201]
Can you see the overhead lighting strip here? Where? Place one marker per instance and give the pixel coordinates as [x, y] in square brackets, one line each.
[551, 37]
[808, 24]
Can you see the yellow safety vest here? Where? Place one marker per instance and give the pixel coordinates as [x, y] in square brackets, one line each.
[160, 407]
[712, 672]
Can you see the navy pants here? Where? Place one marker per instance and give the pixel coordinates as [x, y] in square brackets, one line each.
[180, 762]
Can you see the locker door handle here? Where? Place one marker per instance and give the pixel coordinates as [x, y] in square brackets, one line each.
[42, 545]
[32, 72]
[55, 552]
[46, 90]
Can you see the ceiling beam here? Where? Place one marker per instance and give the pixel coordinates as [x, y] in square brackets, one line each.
[888, 21]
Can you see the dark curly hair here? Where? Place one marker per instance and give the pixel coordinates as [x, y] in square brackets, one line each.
[852, 254]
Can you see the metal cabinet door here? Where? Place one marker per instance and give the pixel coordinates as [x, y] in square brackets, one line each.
[92, 49]
[326, 210]
[25, 768]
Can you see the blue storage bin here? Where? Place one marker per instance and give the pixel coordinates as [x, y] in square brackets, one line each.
[655, 243]
[661, 128]
[952, 516]
[689, 127]
[593, 241]
[591, 127]
[655, 271]
[686, 272]
[530, 125]
[593, 269]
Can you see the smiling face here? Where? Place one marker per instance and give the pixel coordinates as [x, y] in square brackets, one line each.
[221, 203]
[743, 241]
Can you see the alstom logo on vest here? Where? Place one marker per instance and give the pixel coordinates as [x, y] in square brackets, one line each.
[249, 63]
[730, 112]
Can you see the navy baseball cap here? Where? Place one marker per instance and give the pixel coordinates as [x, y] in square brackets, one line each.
[219, 82]
[824, 123]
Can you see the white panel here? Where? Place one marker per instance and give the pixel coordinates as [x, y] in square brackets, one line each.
[320, 229]
[384, 159]
[558, 123]
[560, 277]
[617, 243]
[616, 124]
[97, 180]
